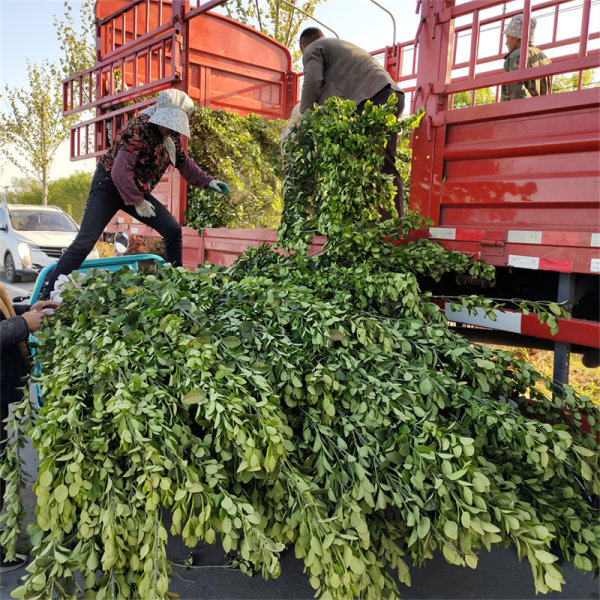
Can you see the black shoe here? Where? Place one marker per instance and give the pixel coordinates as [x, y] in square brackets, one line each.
[12, 565]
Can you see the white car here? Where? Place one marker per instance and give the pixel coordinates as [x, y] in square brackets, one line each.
[33, 237]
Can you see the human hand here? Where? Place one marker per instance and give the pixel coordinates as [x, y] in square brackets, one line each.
[219, 186]
[145, 209]
[42, 304]
[33, 319]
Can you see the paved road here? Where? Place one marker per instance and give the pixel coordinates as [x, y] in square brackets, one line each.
[499, 575]
[23, 288]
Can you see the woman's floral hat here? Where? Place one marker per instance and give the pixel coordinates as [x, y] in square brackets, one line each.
[172, 110]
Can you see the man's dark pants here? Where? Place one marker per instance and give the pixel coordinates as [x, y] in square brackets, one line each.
[389, 163]
[103, 203]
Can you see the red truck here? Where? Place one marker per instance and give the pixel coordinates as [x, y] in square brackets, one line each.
[516, 183]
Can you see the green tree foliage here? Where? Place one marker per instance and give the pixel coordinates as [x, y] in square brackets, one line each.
[332, 167]
[69, 193]
[316, 402]
[32, 128]
[568, 83]
[77, 38]
[464, 99]
[24, 191]
[239, 151]
[276, 19]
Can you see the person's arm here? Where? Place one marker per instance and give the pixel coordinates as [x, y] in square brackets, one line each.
[313, 78]
[13, 331]
[122, 176]
[192, 173]
[514, 91]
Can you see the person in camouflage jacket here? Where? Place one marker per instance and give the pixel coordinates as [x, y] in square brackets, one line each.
[535, 58]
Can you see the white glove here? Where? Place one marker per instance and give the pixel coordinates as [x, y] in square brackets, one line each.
[145, 209]
[219, 186]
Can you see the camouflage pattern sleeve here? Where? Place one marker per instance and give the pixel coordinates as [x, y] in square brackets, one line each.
[525, 89]
[514, 91]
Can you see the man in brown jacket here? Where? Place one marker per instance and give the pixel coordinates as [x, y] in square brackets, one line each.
[333, 67]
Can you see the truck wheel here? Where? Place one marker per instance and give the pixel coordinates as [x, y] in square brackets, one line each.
[10, 271]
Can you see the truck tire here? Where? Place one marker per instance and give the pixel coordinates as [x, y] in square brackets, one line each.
[10, 271]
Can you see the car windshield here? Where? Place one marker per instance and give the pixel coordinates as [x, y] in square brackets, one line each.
[37, 220]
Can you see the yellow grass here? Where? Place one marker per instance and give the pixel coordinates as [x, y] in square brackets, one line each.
[583, 380]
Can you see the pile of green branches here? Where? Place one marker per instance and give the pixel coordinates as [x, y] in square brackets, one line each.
[239, 151]
[318, 402]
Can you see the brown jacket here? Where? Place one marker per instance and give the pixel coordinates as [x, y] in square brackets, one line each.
[333, 67]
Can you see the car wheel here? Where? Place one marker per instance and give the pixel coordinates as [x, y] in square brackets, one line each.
[10, 271]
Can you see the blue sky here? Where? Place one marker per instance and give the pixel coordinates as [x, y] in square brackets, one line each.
[27, 31]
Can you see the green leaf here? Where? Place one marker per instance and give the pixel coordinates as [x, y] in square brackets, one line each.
[423, 527]
[232, 341]
[61, 493]
[545, 557]
[451, 530]
[554, 308]
[425, 386]
[45, 479]
[194, 397]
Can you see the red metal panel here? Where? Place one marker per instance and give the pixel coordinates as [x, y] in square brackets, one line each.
[227, 73]
[530, 164]
[193, 248]
[223, 246]
[573, 331]
[549, 258]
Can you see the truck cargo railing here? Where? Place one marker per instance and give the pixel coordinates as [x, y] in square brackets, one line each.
[140, 20]
[147, 46]
[91, 138]
[477, 46]
[138, 52]
[148, 68]
[146, 22]
[400, 61]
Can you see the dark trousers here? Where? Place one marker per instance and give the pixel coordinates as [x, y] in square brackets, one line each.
[389, 163]
[103, 203]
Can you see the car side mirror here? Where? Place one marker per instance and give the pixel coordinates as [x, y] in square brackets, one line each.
[121, 243]
[4, 227]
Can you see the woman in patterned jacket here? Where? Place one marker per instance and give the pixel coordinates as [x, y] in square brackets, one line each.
[126, 175]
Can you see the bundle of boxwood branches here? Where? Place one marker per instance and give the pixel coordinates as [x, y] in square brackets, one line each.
[313, 401]
[239, 151]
